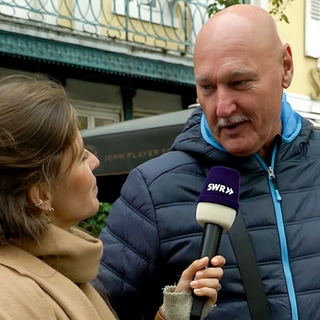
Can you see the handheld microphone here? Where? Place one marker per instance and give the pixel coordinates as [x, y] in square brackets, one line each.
[217, 207]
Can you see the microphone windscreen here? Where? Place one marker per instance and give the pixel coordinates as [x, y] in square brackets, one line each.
[221, 187]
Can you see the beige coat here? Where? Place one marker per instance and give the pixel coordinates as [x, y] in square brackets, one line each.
[50, 280]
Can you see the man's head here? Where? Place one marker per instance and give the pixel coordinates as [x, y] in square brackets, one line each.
[241, 68]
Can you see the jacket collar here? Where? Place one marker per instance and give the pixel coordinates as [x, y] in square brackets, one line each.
[64, 251]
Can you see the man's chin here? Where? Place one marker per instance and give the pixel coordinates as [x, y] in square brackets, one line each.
[238, 151]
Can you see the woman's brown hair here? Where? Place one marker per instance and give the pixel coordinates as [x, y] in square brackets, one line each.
[37, 125]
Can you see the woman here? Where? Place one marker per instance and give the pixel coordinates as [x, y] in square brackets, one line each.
[46, 188]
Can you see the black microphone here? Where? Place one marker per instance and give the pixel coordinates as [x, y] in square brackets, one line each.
[217, 207]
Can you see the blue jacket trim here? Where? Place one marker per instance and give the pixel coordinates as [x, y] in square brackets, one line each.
[276, 198]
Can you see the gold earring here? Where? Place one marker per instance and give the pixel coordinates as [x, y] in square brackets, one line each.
[51, 209]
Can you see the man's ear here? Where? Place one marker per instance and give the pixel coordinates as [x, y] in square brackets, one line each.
[287, 66]
[40, 196]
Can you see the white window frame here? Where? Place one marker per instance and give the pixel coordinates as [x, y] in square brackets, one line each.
[93, 110]
[312, 28]
[160, 14]
[260, 3]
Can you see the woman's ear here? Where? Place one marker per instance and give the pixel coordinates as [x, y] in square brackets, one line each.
[40, 196]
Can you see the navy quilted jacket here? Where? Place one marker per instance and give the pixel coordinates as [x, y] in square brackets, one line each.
[152, 234]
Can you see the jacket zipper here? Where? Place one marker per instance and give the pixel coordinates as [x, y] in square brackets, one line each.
[276, 198]
[272, 178]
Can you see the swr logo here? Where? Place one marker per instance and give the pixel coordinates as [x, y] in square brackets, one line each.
[220, 188]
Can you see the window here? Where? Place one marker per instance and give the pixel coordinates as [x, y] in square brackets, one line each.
[91, 120]
[39, 10]
[261, 3]
[99, 121]
[312, 28]
[153, 11]
[83, 122]
[87, 15]
[150, 3]
[91, 115]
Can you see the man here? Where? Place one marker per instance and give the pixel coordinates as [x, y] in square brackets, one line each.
[241, 68]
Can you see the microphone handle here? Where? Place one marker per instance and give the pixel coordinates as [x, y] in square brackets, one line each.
[209, 246]
[210, 240]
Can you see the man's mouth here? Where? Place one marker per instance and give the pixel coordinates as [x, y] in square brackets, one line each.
[232, 122]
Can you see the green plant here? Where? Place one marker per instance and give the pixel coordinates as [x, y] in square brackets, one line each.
[218, 5]
[95, 224]
[277, 9]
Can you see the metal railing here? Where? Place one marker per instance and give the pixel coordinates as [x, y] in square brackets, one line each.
[166, 25]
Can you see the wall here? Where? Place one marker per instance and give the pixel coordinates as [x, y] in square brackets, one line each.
[301, 89]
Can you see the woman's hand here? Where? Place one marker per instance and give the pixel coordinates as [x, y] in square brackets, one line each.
[203, 281]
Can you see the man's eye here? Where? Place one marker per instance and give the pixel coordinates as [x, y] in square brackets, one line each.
[206, 87]
[240, 83]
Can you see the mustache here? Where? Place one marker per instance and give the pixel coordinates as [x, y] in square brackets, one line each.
[231, 120]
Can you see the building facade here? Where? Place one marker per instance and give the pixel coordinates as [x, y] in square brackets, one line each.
[303, 35]
[118, 59]
[124, 59]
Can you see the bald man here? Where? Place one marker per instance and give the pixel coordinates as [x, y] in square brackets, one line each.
[245, 123]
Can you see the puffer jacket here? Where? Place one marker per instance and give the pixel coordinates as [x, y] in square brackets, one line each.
[152, 234]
